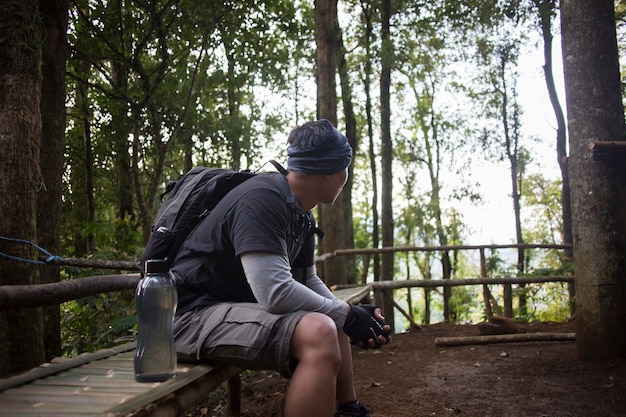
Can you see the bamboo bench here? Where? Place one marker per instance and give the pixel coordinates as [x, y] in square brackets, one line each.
[102, 384]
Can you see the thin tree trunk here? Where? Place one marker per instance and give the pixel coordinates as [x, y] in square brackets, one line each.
[233, 128]
[88, 175]
[546, 10]
[120, 132]
[367, 16]
[511, 144]
[427, 274]
[435, 203]
[387, 263]
[76, 157]
[345, 198]
[433, 160]
[517, 205]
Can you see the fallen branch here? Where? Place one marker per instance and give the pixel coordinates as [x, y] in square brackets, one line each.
[401, 310]
[505, 338]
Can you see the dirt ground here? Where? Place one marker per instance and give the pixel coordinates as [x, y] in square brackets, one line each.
[415, 377]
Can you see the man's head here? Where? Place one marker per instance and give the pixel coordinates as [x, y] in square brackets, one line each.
[319, 156]
[318, 148]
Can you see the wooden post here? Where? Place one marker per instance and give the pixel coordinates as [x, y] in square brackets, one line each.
[366, 267]
[486, 292]
[234, 396]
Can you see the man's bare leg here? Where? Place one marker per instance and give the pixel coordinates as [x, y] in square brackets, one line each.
[313, 386]
[345, 378]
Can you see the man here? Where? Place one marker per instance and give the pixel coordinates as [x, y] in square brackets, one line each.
[249, 294]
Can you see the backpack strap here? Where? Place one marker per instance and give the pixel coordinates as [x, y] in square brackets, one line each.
[281, 180]
[291, 199]
[292, 202]
[278, 167]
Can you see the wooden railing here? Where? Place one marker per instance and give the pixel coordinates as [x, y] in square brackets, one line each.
[20, 296]
[490, 303]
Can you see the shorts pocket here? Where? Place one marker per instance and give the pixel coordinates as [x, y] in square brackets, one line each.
[193, 328]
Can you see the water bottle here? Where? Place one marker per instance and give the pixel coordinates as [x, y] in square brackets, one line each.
[156, 299]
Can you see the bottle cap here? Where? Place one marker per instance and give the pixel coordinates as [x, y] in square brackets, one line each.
[157, 266]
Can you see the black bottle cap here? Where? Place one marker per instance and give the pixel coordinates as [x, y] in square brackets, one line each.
[157, 266]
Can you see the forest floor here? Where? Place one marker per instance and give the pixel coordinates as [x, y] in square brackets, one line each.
[413, 376]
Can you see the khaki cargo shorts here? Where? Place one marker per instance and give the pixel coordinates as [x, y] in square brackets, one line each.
[241, 334]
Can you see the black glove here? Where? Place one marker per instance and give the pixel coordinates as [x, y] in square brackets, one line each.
[361, 325]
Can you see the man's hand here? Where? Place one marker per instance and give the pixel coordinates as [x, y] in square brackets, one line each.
[365, 326]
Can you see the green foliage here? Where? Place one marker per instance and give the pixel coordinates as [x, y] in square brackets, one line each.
[153, 88]
[464, 304]
[548, 301]
[542, 201]
[545, 301]
[101, 320]
[97, 321]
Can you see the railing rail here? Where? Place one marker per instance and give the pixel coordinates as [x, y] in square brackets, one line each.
[490, 303]
[39, 295]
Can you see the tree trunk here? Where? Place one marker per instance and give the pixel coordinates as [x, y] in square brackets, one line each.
[598, 188]
[435, 203]
[331, 216]
[20, 177]
[345, 198]
[424, 267]
[55, 16]
[233, 128]
[433, 161]
[77, 158]
[88, 173]
[546, 10]
[120, 129]
[367, 17]
[387, 264]
[511, 144]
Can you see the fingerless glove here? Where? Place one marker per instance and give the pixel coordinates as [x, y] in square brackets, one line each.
[361, 325]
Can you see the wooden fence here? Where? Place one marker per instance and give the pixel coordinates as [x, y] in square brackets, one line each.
[490, 303]
[20, 296]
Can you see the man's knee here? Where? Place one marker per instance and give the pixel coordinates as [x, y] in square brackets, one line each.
[316, 334]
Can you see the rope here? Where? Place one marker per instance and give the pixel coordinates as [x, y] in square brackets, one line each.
[50, 257]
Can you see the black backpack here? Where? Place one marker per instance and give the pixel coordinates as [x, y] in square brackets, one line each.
[190, 199]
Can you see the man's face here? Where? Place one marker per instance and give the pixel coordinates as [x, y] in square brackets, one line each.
[335, 184]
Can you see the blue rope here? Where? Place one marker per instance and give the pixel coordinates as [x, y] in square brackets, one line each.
[50, 257]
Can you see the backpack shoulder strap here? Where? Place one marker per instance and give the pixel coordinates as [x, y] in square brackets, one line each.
[278, 166]
[283, 184]
[292, 200]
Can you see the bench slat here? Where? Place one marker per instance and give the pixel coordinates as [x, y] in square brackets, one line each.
[96, 389]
